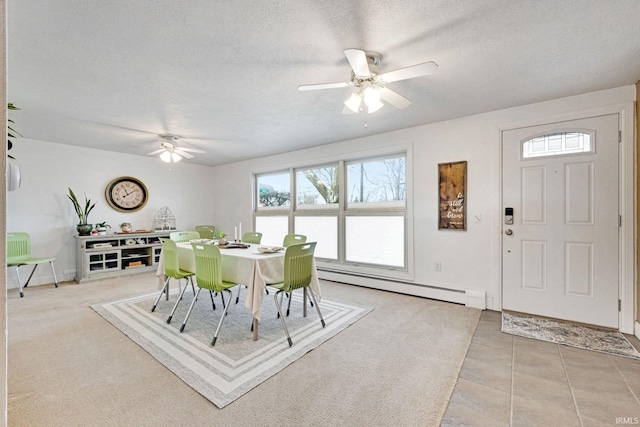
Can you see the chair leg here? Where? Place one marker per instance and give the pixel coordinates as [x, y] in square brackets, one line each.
[315, 303]
[290, 295]
[184, 322]
[224, 313]
[30, 276]
[281, 298]
[19, 282]
[164, 288]
[53, 270]
[238, 296]
[284, 325]
[213, 304]
[175, 306]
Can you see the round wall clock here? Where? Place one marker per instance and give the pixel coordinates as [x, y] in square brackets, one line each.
[126, 194]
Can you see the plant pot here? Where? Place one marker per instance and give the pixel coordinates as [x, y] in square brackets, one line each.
[126, 229]
[84, 229]
[101, 231]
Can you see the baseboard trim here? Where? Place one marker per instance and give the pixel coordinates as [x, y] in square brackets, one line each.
[470, 298]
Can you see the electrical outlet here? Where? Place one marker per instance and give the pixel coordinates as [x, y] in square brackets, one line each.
[438, 266]
[477, 218]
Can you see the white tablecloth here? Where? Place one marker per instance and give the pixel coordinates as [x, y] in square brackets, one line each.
[243, 266]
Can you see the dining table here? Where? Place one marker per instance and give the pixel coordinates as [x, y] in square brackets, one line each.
[246, 266]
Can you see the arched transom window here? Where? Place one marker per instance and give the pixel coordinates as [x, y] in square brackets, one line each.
[559, 143]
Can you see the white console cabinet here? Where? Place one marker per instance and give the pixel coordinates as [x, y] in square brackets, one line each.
[100, 257]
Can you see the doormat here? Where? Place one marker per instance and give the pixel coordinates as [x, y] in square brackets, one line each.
[567, 333]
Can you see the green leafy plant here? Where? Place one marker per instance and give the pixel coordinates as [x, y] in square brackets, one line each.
[102, 225]
[83, 212]
[10, 130]
[219, 234]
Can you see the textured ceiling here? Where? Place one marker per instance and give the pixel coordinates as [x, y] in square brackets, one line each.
[224, 75]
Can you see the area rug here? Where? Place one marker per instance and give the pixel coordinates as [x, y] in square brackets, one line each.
[237, 363]
[568, 333]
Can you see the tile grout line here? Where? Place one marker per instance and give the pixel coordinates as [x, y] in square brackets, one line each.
[624, 379]
[566, 374]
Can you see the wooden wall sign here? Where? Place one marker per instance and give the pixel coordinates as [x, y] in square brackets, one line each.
[452, 182]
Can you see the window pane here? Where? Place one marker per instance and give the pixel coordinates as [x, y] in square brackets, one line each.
[321, 229]
[274, 190]
[375, 240]
[557, 144]
[317, 186]
[273, 229]
[376, 181]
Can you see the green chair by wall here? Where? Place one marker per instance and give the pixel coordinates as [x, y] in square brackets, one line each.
[206, 231]
[252, 237]
[298, 269]
[293, 239]
[183, 236]
[172, 271]
[19, 254]
[209, 276]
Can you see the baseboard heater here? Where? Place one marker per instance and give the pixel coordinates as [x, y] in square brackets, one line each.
[468, 297]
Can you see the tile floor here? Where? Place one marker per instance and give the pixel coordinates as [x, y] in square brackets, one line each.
[512, 381]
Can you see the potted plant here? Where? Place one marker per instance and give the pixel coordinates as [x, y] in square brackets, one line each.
[220, 235]
[84, 229]
[101, 228]
[126, 227]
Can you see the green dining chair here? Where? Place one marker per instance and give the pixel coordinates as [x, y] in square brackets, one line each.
[252, 237]
[206, 231]
[293, 239]
[19, 254]
[172, 271]
[183, 236]
[209, 276]
[298, 269]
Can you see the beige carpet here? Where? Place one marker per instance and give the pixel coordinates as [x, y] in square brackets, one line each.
[69, 367]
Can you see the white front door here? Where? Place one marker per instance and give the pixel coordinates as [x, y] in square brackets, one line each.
[560, 255]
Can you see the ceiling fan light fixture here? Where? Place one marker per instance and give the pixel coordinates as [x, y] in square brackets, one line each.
[371, 95]
[354, 101]
[175, 157]
[166, 157]
[374, 106]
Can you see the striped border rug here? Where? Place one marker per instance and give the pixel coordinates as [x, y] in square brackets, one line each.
[237, 363]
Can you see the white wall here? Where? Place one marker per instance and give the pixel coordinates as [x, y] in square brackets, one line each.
[223, 195]
[470, 259]
[40, 206]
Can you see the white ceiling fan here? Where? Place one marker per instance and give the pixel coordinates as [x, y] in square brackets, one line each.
[370, 84]
[170, 152]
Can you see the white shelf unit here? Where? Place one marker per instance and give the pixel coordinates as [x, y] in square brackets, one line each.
[100, 257]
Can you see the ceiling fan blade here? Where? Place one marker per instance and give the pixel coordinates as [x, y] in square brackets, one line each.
[358, 61]
[409, 72]
[393, 98]
[183, 153]
[303, 88]
[155, 152]
[346, 110]
[193, 150]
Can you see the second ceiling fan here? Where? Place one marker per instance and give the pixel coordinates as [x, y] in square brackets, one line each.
[170, 152]
[369, 83]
